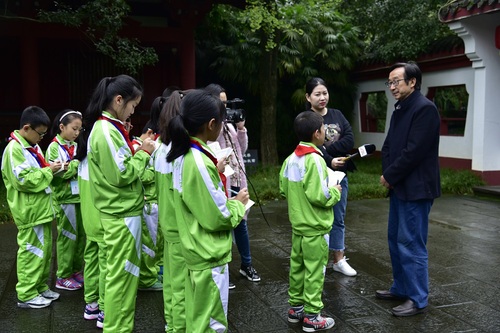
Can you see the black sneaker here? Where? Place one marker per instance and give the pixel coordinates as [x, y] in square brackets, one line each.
[250, 273]
[231, 285]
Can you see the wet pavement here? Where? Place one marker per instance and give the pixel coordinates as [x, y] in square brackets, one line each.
[464, 269]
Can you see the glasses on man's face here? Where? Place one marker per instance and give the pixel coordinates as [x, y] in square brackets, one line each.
[40, 134]
[394, 83]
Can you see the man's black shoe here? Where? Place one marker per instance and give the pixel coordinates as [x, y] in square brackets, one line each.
[407, 309]
[386, 295]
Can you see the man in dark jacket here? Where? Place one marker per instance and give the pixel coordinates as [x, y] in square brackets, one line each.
[410, 164]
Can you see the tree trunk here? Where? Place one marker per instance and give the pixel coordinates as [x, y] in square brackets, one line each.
[268, 82]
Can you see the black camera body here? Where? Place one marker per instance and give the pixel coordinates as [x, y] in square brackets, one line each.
[233, 114]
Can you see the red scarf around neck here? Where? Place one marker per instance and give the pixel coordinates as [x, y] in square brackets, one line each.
[196, 145]
[35, 152]
[302, 150]
[70, 149]
[119, 126]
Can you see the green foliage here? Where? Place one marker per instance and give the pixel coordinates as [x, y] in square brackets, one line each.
[273, 46]
[377, 108]
[101, 21]
[459, 181]
[310, 36]
[263, 184]
[396, 29]
[452, 101]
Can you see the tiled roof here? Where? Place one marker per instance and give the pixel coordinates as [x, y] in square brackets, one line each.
[459, 9]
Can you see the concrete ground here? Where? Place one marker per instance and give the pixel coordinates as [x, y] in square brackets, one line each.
[464, 269]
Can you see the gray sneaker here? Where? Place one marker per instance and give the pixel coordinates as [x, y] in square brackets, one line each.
[51, 295]
[35, 303]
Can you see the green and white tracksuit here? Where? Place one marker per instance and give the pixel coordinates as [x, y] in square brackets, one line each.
[70, 234]
[117, 193]
[27, 182]
[304, 183]
[205, 218]
[95, 248]
[174, 270]
[149, 255]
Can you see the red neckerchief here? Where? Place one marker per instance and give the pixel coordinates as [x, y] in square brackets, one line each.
[119, 126]
[302, 150]
[34, 152]
[196, 145]
[70, 149]
[137, 142]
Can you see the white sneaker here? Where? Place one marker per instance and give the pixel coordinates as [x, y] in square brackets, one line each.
[100, 320]
[316, 323]
[35, 303]
[343, 267]
[49, 294]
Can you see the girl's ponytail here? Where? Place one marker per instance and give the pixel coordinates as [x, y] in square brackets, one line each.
[180, 138]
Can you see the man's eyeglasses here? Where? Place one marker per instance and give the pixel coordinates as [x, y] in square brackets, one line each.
[394, 83]
[41, 134]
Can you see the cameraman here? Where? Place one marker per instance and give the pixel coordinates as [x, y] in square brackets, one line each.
[235, 136]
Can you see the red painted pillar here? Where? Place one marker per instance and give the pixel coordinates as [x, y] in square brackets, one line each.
[187, 54]
[29, 72]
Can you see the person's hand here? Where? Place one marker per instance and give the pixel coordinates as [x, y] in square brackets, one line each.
[240, 125]
[147, 145]
[221, 165]
[338, 162]
[384, 182]
[149, 134]
[243, 196]
[55, 166]
[128, 125]
[338, 187]
[66, 166]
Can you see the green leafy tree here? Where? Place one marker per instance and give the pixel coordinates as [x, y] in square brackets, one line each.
[397, 29]
[270, 40]
[101, 21]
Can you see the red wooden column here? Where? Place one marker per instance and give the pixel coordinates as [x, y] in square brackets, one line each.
[187, 58]
[29, 71]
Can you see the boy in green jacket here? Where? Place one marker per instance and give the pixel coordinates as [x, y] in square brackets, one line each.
[304, 183]
[27, 176]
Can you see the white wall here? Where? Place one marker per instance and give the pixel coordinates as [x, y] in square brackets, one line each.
[478, 33]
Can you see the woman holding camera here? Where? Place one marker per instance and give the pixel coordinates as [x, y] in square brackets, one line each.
[235, 136]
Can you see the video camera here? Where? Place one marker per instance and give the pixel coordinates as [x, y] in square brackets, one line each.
[233, 114]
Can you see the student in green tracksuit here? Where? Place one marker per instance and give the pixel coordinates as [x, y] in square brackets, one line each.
[95, 249]
[205, 217]
[148, 278]
[175, 271]
[70, 234]
[117, 193]
[27, 176]
[304, 183]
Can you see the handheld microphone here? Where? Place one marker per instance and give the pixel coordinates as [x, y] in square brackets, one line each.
[364, 150]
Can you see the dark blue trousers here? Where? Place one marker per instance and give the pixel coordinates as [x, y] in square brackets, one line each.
[407, 235]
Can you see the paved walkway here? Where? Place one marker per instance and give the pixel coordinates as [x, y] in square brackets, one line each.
[464, 252]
